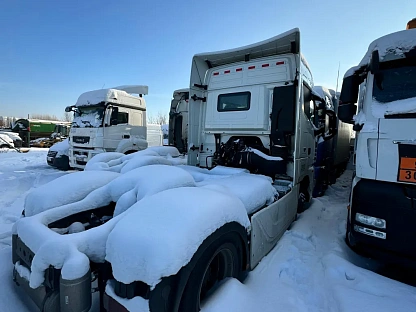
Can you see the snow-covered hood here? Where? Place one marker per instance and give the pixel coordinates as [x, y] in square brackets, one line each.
[5, 139]
[61, 148]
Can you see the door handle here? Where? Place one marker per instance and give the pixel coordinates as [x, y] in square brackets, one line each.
[126, 136]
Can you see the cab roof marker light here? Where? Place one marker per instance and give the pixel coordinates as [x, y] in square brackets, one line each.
[239, 69]
[280, 63]
[216, 74]
[251, 67]
[227, 71]
[265, 65]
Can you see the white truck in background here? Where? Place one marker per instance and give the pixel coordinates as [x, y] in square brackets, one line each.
[159, 235]
[107, 120]
[382, 208]
[178, 120]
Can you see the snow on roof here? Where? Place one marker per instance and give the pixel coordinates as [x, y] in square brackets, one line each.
[390, 47]
[166, 229]
[108, 95]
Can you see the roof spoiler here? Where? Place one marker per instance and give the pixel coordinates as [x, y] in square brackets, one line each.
[134, 89]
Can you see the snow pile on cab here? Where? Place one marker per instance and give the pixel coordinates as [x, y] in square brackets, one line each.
[67, 189]
[73, 252]
[166, 229]
[255, 191]
[113, 161]
[163, 202]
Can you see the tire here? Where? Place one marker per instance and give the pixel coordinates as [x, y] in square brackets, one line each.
[221, 259]
[4, 146]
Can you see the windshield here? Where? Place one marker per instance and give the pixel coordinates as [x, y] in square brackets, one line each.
[88, 116]
[393, 84]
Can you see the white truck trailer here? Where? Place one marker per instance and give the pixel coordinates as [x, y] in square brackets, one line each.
[158, 235]
[381, 212]
[107, 120]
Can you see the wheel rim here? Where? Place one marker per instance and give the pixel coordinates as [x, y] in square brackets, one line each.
[219, 267]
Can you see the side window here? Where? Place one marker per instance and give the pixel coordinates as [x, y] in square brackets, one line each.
[232, 102]
[308, 105]
[122, 118]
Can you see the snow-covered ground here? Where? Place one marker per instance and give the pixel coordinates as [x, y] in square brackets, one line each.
[311, 268]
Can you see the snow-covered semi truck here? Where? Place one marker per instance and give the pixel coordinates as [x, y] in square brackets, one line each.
[178, 120]
[250, 108]
[158, 235]
[107, 120]
[381, 212]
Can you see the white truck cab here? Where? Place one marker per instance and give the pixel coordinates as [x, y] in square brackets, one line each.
[107, 120]
[381, 214]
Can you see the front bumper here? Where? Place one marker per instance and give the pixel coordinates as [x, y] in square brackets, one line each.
[393, 202]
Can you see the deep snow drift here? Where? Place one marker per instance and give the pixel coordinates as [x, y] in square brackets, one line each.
[310, 269]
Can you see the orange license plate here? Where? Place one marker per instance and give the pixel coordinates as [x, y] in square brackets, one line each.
[407, 170]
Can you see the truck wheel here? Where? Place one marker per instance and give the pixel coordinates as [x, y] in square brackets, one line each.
[221, 259]
[4, 146]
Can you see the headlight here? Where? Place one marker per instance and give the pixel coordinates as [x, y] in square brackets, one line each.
[376, 222]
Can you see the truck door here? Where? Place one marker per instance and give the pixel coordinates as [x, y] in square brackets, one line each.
[118, 129]
[306, 147]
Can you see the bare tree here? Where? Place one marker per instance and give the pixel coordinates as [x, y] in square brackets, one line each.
[44, 117]
[68, 116]
[160, 119]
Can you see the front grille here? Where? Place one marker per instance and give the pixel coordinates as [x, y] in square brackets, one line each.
[132, 290]
[81, 139]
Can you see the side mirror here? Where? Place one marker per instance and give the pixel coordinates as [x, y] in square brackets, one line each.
[114, 116]
[348, 98]
[68, 109]
[346, 112]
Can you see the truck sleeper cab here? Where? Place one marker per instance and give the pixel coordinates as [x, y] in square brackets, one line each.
[382, 209]
[107, 120]
[250, 108]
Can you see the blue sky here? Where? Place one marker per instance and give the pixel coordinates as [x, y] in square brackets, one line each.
[52, 51]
